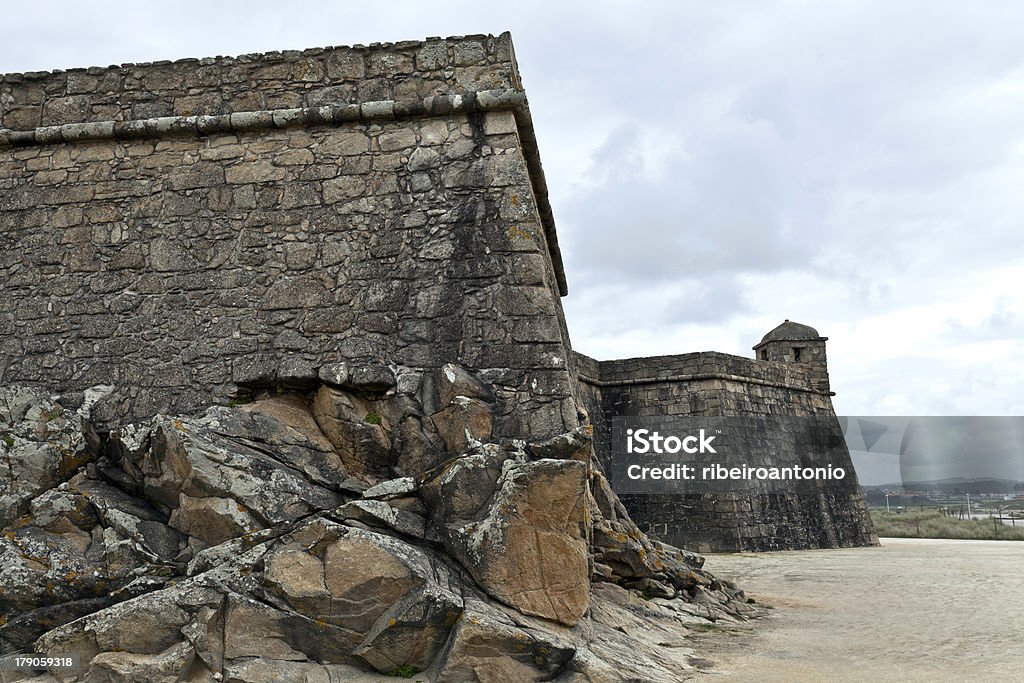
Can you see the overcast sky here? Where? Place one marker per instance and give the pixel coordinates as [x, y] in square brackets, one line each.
[716, 168]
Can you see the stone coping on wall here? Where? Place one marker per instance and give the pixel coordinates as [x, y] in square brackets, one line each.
[245, 121]
[694, 367]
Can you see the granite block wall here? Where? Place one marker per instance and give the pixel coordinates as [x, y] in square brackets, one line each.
[804, 514]
[179, 264]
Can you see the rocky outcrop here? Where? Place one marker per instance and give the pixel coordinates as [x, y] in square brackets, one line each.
[519, 527]
[367, 526]
[42, 445]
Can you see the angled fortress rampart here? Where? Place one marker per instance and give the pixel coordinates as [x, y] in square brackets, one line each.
[788, 378]
[179, 230]
[189, 232]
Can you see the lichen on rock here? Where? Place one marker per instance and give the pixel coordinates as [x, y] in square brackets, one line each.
[247, 543]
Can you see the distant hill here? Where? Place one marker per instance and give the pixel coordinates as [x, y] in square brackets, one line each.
[977, 485]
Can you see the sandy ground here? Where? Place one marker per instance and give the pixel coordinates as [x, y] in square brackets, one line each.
[911, 610]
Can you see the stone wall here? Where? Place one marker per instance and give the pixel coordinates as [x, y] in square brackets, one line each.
[179, 259]
[808, 514]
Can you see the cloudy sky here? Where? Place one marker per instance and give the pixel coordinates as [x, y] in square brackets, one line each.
[716, 168]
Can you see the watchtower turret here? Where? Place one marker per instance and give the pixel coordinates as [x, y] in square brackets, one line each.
[792, 342]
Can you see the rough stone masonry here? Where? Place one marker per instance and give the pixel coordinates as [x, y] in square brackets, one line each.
[205, 230]
[185, 229]
[787, 380]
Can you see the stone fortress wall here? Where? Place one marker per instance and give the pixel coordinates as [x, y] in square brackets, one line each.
[806, 514]
[191, 231]
[180, 230]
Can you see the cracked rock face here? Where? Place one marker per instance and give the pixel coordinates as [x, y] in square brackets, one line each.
[525, 543]
[41, 445]
[361, 527]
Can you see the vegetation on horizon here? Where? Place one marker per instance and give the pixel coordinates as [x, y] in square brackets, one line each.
[933, 524]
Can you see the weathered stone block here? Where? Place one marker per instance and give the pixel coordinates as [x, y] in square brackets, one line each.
[343, 189]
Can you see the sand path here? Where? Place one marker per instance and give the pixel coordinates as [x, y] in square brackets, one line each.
[913, 609]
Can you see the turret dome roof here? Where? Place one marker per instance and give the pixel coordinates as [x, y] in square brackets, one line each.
[790, 331]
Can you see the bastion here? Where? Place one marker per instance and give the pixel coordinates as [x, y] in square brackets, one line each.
[194, 232]
[786, 388]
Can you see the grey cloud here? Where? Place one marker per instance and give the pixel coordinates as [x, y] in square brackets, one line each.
[617, 307]
[706, 300]
[708, 214]
[1002, 323]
